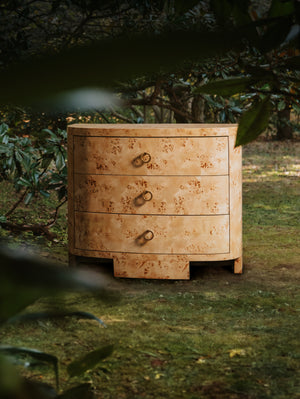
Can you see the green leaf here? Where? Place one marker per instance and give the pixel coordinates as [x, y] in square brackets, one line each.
[19, 156]
[44, 193]
[28, 198]
[281, 105]
[32, 277]
[6, 139]
[3, 149]
[3, 219]
[226, 87]
[35, 175]
[59, 161]
[281, 8]
[254, 121]
[56, 178]
[24, 182]
[3, 129]
[15, 352]
[46, 162]
[89, 361]
[49, 132]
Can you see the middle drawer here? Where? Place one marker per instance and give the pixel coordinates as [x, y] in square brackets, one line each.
[173, 195]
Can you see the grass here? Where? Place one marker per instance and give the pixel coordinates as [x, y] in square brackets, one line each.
[216, 336]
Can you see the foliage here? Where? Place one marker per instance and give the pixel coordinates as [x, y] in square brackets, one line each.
[254, 121]
[270, 86]
[34, 169]
[181, 46]
[31, 278]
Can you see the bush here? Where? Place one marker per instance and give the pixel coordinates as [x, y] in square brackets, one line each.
[35, 169]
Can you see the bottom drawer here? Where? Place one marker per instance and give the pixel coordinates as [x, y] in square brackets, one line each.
[152, 234]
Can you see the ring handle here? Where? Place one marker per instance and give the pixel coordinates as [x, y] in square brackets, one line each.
[142, 198]
[147, 195]
[143, 158]
[146, 236]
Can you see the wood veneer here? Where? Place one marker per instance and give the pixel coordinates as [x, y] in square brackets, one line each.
[155, 197]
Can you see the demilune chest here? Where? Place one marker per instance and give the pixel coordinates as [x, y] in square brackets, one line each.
[155, 197]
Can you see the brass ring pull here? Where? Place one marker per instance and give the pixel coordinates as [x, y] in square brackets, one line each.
[141, 240]
[142, 198]
[145, 157]
[147, 195]
[148, 235]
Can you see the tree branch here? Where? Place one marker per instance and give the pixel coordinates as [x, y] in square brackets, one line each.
[16, 204]
[36, 229]
[122, 117]
[137, 112]
[53, 221]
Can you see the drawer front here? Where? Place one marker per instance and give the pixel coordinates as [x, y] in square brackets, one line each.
[151, 156]
[152, 234]
[173, 195]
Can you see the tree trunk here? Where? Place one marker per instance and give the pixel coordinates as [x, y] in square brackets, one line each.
[284, 130]
[178, 97]
[198, 109]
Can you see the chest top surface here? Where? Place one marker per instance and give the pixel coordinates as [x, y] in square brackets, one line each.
[152, 130]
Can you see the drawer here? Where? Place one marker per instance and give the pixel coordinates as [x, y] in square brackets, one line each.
[152, 234]
[151, 156]
[173, 195]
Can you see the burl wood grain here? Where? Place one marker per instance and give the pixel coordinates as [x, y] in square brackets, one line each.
[173, 195]
[235, 166]
[172, 234]
[168, 156]
[152, 266]
[155, 197]
[153, 130]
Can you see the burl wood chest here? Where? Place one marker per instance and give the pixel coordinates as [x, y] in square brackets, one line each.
[155, 197]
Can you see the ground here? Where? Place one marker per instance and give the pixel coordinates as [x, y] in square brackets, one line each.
[217, 336]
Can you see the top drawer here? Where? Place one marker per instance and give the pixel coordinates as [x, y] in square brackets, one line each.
[151, 156]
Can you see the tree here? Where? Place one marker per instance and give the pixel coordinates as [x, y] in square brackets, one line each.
[167, 67]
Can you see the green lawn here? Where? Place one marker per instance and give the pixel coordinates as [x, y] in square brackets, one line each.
[217, 336]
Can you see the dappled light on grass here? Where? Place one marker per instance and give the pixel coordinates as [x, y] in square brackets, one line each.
[271, 161]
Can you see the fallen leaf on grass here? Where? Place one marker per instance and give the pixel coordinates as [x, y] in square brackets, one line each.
[157, 362]
[237, 352]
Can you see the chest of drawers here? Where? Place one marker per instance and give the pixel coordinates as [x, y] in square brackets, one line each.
[155, 197]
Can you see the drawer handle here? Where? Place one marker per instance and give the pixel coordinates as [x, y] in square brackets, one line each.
[147, 195]
[142, 198]
[148, 235]
[141, 159]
